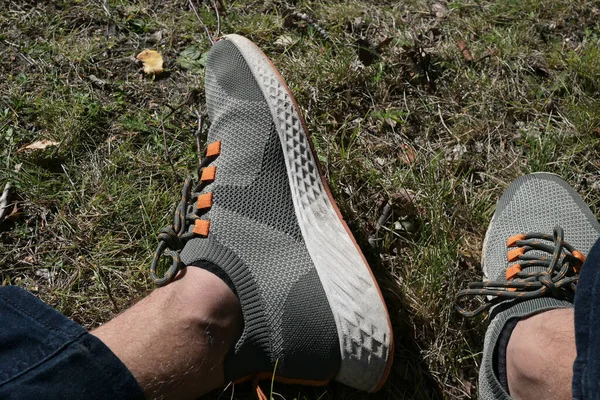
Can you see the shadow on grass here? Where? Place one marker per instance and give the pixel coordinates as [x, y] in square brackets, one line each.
[409, 377]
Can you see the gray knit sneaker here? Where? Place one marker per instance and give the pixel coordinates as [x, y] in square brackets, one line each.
[535, 244]
[263, 219]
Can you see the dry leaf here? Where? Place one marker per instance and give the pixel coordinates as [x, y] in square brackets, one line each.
[285, 41]
[440, 10]
[152, 60]
[462, 46]
[28, 260]
[39, 145]
[407, 154]
[403, 202]
[383, 44]
[15, 213]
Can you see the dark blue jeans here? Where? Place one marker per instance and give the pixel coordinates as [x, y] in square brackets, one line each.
[44, 355]
[586, 369]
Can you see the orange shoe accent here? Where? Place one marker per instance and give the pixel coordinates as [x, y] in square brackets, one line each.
[512, 241]
[578, 255]
[213, 149]
[208, 173]
[201, 227]
[204, 201]
[259, 393]
[512, 271]
[514, 254]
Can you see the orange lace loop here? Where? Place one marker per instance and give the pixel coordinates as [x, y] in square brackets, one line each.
[512, 241]
[213, 149]
[514, 254]
[513, 271]
[201, 227]
[204, 201]
[208, 174]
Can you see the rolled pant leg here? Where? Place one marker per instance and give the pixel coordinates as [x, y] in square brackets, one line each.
[586, 369]
[44, 355]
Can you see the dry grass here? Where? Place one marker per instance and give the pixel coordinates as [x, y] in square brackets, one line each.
[415, 124]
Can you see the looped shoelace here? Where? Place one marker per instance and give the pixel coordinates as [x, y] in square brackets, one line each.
[562, 263]
[173, 238]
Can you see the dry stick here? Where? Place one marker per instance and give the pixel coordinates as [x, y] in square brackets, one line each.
[164, 132]
[103, 4]
[306, 18]
[162, 124]
[386, 213]
[198, 134]
[222, 5]
[4, 199]
[214, 3]
[202, 22]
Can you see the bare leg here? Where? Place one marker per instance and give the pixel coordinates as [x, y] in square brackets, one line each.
[174, 341]
[540, 356]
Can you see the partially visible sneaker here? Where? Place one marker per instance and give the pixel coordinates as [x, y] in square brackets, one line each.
[540, 226]
[263, 219]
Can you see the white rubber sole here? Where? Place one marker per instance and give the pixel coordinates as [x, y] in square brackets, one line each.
[361, 317]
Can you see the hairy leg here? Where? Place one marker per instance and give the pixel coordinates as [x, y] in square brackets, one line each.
[540, 356]
[174, 341]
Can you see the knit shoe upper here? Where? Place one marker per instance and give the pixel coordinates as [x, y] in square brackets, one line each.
[262, 216]
[543, 207]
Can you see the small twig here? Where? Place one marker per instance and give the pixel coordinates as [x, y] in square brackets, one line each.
[386, 213]
[306, 18]
[446, 126]
[212, 42]
[4, 199]
[103, 4]
[104, 280]
[97, 81]
[164, 131]
[214, 3]
[221, 4]
[70, 180]
[198, 135]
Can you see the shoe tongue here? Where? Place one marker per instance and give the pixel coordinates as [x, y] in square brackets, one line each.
[540, 254]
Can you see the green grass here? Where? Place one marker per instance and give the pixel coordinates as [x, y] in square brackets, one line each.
[419, 118]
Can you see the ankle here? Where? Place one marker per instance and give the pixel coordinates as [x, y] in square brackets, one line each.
[540, 355]
[206, 299]
[174, 341]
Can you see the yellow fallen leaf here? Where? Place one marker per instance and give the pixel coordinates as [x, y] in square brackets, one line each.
[152, 60]
[39, 145]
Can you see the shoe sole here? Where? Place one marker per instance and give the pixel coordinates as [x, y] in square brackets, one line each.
[362, 320]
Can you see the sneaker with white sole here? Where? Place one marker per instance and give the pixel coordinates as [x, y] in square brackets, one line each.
[263, 218]
[533, 250]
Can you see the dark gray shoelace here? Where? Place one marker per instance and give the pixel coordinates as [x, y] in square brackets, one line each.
[559, 278]
[173, 238]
